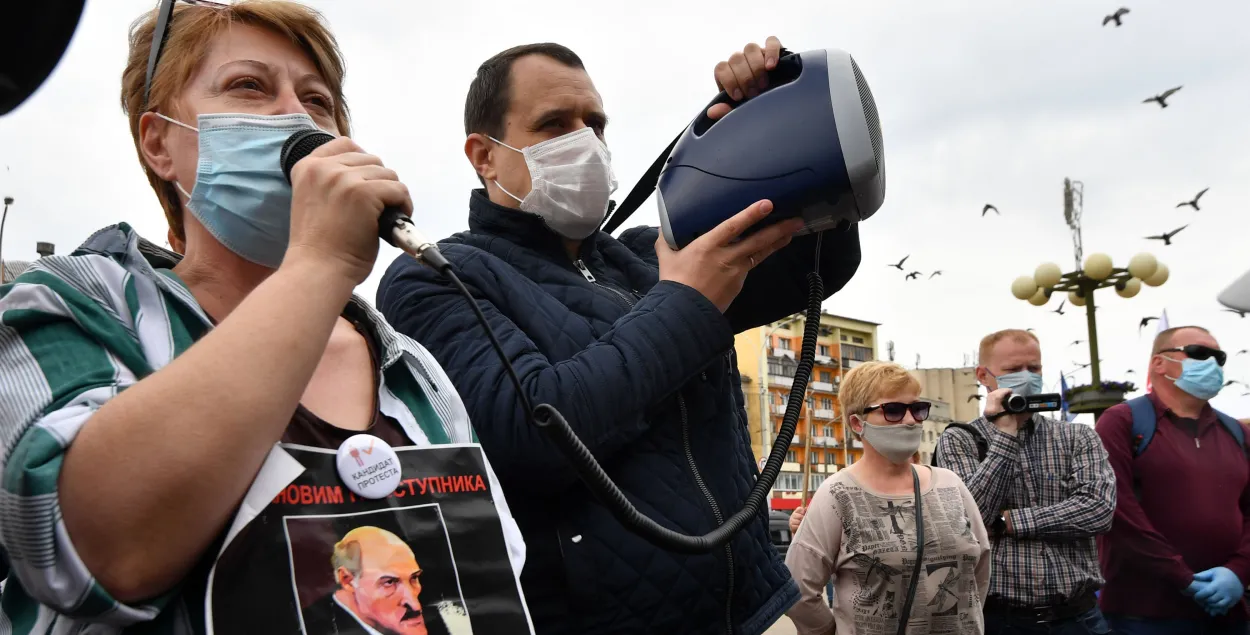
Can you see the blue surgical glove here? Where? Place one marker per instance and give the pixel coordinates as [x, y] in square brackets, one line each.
[1218, 590]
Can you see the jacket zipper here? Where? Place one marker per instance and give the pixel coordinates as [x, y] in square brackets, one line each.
[590, 277]
[685, 439]
[707, 494]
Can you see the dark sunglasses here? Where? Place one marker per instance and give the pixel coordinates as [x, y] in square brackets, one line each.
[161, 34]
[1200, 352]
[894, 411]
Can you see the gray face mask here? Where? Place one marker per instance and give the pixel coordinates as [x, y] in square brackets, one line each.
[897, 442]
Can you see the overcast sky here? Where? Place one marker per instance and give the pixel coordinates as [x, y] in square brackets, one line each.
[979, 103]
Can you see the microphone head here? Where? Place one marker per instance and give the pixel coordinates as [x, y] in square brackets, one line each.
[300, 145]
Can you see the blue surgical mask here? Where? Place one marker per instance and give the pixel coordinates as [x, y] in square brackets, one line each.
[241, 195]
[1024, 383]
[1202, 378]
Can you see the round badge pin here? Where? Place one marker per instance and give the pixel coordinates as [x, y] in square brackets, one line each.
[368, 466]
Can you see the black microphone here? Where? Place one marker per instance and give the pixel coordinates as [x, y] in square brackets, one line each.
[394, 226]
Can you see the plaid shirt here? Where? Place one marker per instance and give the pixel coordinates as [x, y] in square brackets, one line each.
[74, 332]
[1055, 479]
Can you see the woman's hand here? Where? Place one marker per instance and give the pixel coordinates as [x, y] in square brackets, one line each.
[796, 519]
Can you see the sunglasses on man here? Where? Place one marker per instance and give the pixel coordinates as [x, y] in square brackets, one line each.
[1200, 353]
[894, 411]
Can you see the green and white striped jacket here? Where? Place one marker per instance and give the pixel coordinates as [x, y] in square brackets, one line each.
[74, 332]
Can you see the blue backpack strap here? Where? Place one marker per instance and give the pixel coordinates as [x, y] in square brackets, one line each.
[1144, 422]
[1234, 427]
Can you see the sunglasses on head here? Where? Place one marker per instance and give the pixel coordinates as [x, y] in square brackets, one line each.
[894, 411]
[1200, 352]
[161, 34]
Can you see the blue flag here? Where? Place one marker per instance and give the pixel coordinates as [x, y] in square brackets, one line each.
[1063, 400]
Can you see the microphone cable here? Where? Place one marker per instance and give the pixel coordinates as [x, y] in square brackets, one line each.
[397, 229]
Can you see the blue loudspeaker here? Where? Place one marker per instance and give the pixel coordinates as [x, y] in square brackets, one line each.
[810, 143]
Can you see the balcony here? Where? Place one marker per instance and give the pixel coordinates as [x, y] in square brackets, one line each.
[777, 380]
[821, 413]
[782, 352]
[828, 442]
[857, 444]
[779, 410]
[791, 467]
[823, 359]
[822, 386]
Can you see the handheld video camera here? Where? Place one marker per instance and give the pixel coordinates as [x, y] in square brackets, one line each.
[1020, 404]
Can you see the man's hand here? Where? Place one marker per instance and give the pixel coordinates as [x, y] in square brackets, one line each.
[795, 519]
[715, 265]
[745, 74]
[1219, 590]
[994, 405]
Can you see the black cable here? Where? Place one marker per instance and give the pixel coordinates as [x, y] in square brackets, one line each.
[600, 484]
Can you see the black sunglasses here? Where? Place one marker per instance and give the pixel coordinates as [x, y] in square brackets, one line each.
[1200, 352]
[894, 411]
[161, 34]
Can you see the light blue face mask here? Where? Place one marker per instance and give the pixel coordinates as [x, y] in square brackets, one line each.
[1202, 378]
[241, 195]
[1024, 383]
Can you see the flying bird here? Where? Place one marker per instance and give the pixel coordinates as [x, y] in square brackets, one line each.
[1162, 97]
[1083, 366]
[1167, 238]
[1144, 322]
[1130, 372]
[913, 275]
[1239, 313]
[899, 266]
[1115, 17]
[1075, 342]
[1241, 352]
[935, 273]
[1233, 381]
[1060, 309]
[976, 397]
[1194, 203]
[987, 208]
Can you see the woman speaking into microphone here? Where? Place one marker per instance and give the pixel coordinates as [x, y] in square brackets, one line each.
[156, 407]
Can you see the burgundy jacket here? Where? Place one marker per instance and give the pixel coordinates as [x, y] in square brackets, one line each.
[1192, 516]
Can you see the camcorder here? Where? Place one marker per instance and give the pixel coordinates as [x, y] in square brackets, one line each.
[1045, 402]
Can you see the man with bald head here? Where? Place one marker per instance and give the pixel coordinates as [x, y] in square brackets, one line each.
[1178, 553]
[379, 582]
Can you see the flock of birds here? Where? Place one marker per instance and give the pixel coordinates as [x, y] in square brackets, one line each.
[1116, 18]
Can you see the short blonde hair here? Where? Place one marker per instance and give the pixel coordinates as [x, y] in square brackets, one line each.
[870, 381]
[988, 342]
[190, 33]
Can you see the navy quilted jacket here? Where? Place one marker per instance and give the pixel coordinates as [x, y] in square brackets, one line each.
[645, 373]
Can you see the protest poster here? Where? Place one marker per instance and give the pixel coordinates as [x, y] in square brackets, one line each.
[429, 559]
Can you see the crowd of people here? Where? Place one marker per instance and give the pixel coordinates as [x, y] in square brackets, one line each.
[1045, 526]
[147, 394]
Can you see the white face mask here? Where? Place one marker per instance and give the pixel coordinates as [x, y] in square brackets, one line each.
[570, 181]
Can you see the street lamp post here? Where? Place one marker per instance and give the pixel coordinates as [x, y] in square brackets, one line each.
[8, 200]
[1080, 285]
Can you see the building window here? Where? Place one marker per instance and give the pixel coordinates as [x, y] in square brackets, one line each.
[791, 457]
[783, 343]
[843, 338]
[822, 349]
[788, 482]
[815, 458]
[817, 479]
[826, 403]
[829, 458]
[857, 340]
[826, 376]
[853, 353]
[850, 458]
[811, 402]
[782, 367]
